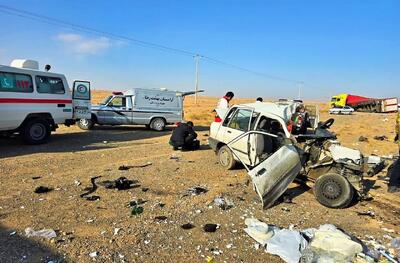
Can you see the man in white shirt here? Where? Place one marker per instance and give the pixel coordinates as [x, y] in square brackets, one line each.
[223, 103]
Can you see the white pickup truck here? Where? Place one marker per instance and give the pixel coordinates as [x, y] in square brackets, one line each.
[343, 110]
[33, 103]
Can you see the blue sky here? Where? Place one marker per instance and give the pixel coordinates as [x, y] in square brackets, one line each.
[333, 46]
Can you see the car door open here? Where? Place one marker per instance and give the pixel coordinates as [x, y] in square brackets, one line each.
[271, 172]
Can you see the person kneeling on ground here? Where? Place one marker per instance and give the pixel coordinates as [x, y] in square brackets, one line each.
[184, 137]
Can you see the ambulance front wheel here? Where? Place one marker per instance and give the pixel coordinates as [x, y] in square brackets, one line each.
[85, 124]
[36, 131]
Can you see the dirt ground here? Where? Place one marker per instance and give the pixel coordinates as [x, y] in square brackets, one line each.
[107, 227]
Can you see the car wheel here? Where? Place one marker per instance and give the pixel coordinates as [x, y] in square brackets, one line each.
[36, 131]
[157, 124]
[85, 124]
[226, 158]
[333, 190]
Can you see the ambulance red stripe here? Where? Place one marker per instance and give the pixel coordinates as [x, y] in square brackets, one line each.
[51, 101]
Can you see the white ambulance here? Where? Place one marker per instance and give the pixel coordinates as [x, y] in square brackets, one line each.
[33, 103]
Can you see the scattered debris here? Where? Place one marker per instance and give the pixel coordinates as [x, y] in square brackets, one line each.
[91, 190]
[121, 183]
[136, 202]
[36, 177]
[369, 213]
[77, 182]
[145, 189]
[13, 233]
[136, 208]
[381, 138]
[160, 218]
[93, 198]
[331, 242]
[161, 205]
[127, 167]
[174, 157]
[210, 228]
[196, 190]
[325, 244]
[45, 233]
[258, 230]
[43, 189]
[116, 231]
[209, 259]
[93, 254]
[187, 226]
[387, 230]
[223, 202]
[287, 199]
[287, 244]
[362, 139]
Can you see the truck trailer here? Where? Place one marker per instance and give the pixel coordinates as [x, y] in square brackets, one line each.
[364, 104]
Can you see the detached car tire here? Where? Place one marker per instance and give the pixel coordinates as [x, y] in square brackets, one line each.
[157, 124]
[333, 190]
[86, 124]
[36, 131]
[226, 158]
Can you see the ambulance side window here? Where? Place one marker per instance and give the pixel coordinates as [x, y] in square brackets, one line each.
[49, 85]
[13, 82]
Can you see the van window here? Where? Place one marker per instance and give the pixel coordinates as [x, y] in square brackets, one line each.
[241, 120]
[49, 85]
[13, 82]
[118, 102]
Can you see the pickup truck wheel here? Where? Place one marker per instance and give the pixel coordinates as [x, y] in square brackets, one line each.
[36, 131]
[85, 124]
[157, 124]
[333, 190]
[226, 158]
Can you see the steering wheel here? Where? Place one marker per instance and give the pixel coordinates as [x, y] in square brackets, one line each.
[326, 124]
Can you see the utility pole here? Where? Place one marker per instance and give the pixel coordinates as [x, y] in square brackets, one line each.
[300, 86]
[196, 85]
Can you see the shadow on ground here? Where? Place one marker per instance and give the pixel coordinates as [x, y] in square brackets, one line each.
[16, 248]
[100, 137]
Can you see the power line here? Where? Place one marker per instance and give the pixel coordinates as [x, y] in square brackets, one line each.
[57, 22]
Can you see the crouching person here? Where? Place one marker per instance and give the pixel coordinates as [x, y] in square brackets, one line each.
[184, 137]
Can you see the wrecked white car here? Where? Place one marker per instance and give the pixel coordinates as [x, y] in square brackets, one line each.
[257, 135]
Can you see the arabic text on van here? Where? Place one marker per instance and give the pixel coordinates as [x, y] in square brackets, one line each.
[158, 100]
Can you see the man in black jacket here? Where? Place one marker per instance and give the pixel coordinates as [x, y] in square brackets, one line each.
[184, 137]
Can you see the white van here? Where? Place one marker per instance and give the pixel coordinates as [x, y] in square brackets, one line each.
[150, 107]
[34, 102]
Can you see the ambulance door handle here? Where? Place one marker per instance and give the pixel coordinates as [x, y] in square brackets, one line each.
[61, 105]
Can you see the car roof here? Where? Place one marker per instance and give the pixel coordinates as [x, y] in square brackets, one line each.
[278, 111]
[282, 110]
